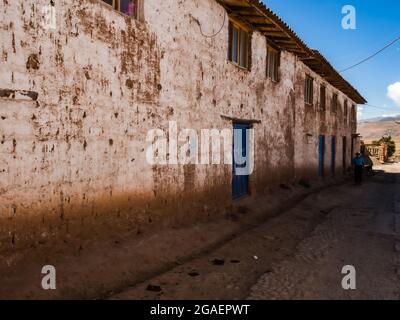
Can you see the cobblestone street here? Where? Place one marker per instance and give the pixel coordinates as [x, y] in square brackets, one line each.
[300, 253]
[295, 253]
[361, 232]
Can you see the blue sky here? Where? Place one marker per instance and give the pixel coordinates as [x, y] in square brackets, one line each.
[318, 23]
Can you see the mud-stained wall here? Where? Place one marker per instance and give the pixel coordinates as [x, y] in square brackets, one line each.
[76, 104]
[202, 85]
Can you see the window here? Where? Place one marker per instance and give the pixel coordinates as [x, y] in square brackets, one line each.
[309, 90]
[322, 97]
[354, 114]
[273, 63]
[239, 45]
[334, 103]
[345, 110]
[127, 7]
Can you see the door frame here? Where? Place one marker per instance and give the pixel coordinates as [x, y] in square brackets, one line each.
[344, 154]
[333, 155]
[240, 183]
[321, 156]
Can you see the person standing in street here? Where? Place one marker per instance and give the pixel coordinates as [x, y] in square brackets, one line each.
[359, 164]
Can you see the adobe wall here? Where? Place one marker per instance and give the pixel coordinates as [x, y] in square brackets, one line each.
[76, 104]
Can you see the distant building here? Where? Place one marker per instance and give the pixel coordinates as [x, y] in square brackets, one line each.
[377, 152]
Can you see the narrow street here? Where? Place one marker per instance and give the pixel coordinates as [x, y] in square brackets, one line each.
[164, 152]
[300, 253]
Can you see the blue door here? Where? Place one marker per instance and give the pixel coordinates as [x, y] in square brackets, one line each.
[333, 155]
[240, 179]
[321, 156]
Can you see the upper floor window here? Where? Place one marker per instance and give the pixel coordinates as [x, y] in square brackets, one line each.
[127, 7]
[345, 110]
[239, 45]
[334, 103]
[273, 63]
[309, 90]
[354, 113]
[322, 97]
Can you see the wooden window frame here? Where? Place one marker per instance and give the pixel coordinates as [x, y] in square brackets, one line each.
[309, 90]
[116, 5]
[345, 110]
[274, 73]
[233, 24]
[335, 103]
[322, 97]
[353, 113]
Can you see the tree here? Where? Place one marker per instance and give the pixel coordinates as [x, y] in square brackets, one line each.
[391, 145]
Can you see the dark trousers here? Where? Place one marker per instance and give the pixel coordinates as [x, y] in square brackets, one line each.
[358, 173]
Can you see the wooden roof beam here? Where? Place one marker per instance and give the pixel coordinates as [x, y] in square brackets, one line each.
[264, 25]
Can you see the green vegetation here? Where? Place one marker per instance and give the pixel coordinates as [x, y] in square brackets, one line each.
[390, 143]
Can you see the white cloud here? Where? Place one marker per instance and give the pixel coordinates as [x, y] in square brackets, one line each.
[394, 92]
[390, 115]
[360, 111]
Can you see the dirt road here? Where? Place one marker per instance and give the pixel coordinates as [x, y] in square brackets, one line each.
[300, 254]
[283, 254]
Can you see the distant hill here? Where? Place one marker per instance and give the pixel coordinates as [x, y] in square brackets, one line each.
[375, 128]
[381, 119]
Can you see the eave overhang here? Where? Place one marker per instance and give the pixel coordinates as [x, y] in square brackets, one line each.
[255, 14]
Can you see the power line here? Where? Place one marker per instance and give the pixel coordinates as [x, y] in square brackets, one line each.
[212, 35]
[373, 55]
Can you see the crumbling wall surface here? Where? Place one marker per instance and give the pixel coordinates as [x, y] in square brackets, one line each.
[75, 105]
[313, 121]
[77, 102]
[201, 85]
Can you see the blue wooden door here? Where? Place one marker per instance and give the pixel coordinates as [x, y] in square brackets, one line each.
[321, 155]
[240, 181]
[333, 155]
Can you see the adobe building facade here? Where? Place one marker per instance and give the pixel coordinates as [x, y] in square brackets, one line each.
[78, 99]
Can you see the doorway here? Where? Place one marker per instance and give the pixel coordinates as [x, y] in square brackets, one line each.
[333, 155]
[241, 142]
[321, 152]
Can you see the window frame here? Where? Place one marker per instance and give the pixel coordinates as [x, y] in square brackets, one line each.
[346, 111]
[116, 5]
[274, 74]
[322, 97]
[335, 103]
[240, 29]
[354, 113]
[309, 90]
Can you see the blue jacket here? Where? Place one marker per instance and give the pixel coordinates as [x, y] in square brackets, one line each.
[359, 161]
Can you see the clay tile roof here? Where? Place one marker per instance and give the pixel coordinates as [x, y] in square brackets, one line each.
[264, 20]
